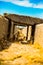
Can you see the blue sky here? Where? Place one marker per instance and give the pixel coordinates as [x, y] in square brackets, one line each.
[32, 8]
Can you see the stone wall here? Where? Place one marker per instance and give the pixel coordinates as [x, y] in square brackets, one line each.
[39, 34]
[3, 26]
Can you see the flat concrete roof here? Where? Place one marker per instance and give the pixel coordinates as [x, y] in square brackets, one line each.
[26, 20]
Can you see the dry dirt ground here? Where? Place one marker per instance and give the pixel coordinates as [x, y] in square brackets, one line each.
[22, 54]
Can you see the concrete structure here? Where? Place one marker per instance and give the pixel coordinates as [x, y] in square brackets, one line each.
[12, 20]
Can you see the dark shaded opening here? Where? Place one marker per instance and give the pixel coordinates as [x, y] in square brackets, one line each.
[33, 33]
[13, 32]
[9, 29]
[27, 32]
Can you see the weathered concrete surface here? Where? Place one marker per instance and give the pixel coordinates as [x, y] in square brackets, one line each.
[39, 34]
[3, 26]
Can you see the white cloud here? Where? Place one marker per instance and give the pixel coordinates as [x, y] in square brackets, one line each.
[25, 3]
[38, 6]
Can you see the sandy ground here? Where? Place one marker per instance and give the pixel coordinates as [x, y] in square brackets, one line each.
[22, 54]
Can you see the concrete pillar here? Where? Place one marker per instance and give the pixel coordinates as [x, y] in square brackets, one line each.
[39, 34]
[12, 30]
[29, 32]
